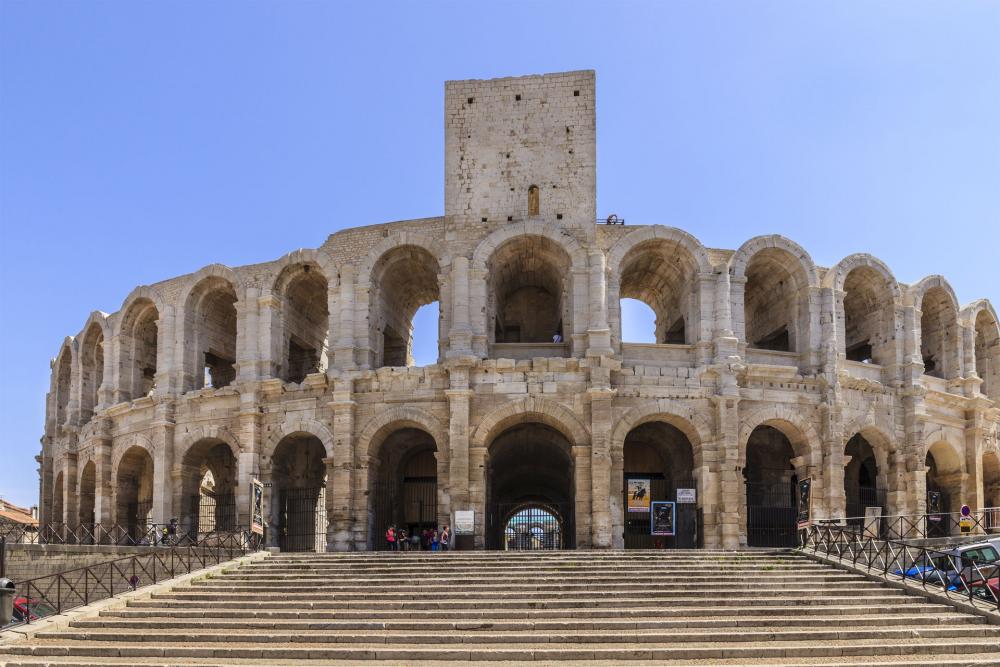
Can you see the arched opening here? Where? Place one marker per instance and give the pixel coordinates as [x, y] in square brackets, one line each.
[529, 288]
[939, 334]
[134, 494]
[861, 480]
[138, 349]
[403, 488]
[659, 460]
[944, 488]
[534, 205]
[771, 482]
[869, 317]
[530, 465]
[988, 353]
[660, 274]
[298, 478]
[210, 327]
[208, 489]
[58, 506]
[64, 384]
[88, 495]
[91, 370]
[305, 316]
[404, 279]
[991, 492]
[776, 302]
[638, 322]
[532, 527]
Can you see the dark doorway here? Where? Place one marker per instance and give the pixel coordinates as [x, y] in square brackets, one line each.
[770, 490]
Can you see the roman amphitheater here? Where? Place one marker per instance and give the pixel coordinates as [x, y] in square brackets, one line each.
[766, 370]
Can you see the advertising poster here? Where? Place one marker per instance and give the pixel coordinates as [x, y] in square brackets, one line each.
[934, 505]
[805, 503]
[687, 496]
[663, 518]
[256, 507]
[638, 495]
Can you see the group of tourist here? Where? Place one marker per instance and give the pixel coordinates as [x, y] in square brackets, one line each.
[429, 539]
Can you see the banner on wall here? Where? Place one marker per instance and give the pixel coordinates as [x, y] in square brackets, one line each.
[663, 518]
[638, 494]
[256, 506]
[805, 503]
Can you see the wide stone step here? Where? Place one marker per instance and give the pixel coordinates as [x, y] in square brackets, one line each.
[910, 606]
[553, 623]
[776, 599]
[552, 651]
[456, 578]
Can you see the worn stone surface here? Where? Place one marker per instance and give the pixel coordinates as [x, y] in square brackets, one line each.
[297, 371]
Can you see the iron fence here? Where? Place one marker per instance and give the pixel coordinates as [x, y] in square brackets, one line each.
[302, 522]
[771, 515]
[922, 526]
[957, 576]
[530, 526]
[153, 534]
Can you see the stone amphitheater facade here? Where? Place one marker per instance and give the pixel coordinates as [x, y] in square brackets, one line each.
[767, 368]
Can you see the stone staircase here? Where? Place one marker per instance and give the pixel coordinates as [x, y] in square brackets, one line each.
[629, 608]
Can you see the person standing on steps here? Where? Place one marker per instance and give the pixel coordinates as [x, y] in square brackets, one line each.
[401, 542]
[445, 537]
[390, 538]
[435, 540]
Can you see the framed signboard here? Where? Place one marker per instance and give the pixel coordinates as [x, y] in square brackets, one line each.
[687, 496]
[465, 522]
[804, 519]
[256, 507]
[638, 494]
[663, 518]
[873, 520]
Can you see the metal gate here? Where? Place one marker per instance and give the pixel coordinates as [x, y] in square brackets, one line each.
[771, 515]
[410, 506]
[637, 524]
[302, 524]
[862, 497]
[531, 526]
[939, 521]
[210, 514]
[139, 523]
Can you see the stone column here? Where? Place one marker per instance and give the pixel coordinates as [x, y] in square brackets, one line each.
[165, 487]
[103, 484]
[460, 480]
[460, 336]
[343, 354]
[583, 504]
[732, 510]
[600, 466]
[578, 336]
[247, 336]
[599, 333]
[477, 493]
[247, 463]
[270, 356]
[71, 499]
[340, 477]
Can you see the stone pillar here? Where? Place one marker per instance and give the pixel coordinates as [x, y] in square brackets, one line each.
[599, 333]
[831, 329]
[247, 463]
[600, 466]
[577, 338]
[45, 485]
[732, 509]
[477, 493]
[270, 356]
[165, 486]
[343, 354]
[460, 336]
[103, 484]
[365, 474]
[583, 505]
[340, 478]
[71, 498]
[460, 479]
[701, 317]
[834, 461]
[247, 336]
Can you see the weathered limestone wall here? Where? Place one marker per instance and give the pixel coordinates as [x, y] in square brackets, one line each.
[568, 418]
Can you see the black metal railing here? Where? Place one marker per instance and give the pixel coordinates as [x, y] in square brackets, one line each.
[936, 568]
[923, 526]
[42, 596]
[153, 534]
[611, 220]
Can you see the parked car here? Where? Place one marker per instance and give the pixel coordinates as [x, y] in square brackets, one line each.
[37, 609]
[954, 568]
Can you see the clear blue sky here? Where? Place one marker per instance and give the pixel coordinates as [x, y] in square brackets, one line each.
[140, 141]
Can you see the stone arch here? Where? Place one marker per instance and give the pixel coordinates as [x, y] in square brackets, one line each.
[141, 340]
[551, 231]
[769, 314]
[210, 348]
[398, 276]
[884, 447]
[62, 381]
[800, 433]
[122, 445]
[530, 409]
[375, 431]
[184, 440]
[92, 362]
[659, 266]
[867, 295]
[300, 331]
[294, 425]
[686, 419]
[982, 319]
[939, 340]
[991, 484]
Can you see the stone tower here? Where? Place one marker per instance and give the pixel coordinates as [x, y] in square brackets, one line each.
[521, 149]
